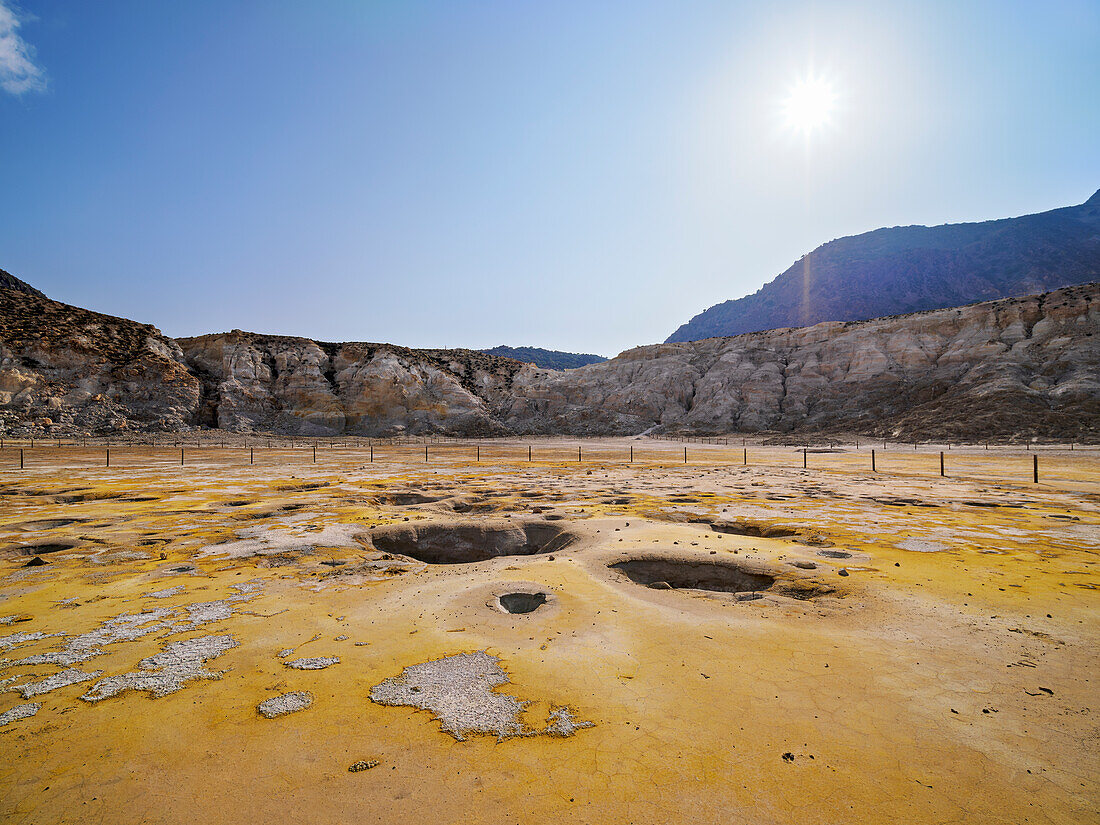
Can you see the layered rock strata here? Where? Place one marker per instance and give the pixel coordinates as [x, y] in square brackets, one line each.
[1019, 366]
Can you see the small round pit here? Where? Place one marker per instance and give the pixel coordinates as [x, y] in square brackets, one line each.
[521, 602]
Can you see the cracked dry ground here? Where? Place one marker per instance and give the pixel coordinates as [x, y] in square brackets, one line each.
[731, 674]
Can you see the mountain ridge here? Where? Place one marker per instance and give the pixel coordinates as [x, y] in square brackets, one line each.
[904, 269]
[550, 359]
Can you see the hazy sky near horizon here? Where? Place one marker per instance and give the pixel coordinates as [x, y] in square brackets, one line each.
[583, 175]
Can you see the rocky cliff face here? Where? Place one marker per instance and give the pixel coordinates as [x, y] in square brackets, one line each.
[1010, 367]
[272, 382]
[9, 281]
[914, 268]
[64, 369]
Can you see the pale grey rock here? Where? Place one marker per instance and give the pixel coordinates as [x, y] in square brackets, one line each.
[14, 640]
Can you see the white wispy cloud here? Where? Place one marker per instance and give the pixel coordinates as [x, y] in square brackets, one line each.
[18, 71]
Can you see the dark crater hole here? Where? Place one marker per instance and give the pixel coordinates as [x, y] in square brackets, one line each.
[40, 548]
[695, 575]
[466, 543]
[53, 523]
[754, 529]
[521, 602]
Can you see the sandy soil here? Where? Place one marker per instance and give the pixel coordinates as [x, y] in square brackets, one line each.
[889, 647]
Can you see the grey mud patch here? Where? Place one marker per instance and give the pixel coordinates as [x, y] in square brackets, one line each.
[287, 703]
[921, 546]
[313, 663]
[167, 671]
[460, 692]
[58, 680]
[19, 712]
[294, 536]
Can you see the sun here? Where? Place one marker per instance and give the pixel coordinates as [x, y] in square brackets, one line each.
[810, 104]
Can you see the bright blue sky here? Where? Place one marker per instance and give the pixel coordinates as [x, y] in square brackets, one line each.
[575, 175]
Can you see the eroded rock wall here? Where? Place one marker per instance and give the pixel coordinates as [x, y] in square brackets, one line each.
[279, 383]
[64, 369]
[1023, 366]
[1012, 366]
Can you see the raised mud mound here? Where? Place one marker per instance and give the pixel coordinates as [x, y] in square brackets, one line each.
[465, 542]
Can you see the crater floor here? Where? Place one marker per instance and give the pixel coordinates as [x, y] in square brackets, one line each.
[706, 641]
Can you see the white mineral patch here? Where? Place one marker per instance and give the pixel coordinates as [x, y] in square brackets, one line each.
[922, 546]
[287, 703]
[17, 639]
[201, 613]
[58, 680]
[292, 536]
[124, 628]
[460, 691]
[167, 671]
[561, 723]
[19, 712]
[166, 592]
[314, 663]
[28, 572]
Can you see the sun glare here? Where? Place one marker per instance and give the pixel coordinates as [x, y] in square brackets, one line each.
[809, 104]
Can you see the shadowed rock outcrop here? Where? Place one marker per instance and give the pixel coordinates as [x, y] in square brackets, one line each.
[66, 369]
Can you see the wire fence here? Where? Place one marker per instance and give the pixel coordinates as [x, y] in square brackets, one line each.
[1068, 464]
